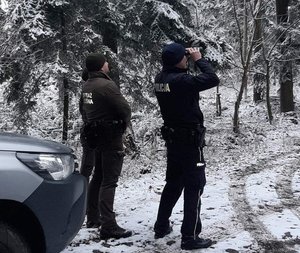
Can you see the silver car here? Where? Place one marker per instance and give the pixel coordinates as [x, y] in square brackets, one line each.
[42, 197]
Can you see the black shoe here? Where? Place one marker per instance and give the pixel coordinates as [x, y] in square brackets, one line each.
[93, 224]
[162, 233]
[114, 232]
[198, 243]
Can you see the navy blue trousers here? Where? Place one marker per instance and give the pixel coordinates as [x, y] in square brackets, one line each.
[184, 173]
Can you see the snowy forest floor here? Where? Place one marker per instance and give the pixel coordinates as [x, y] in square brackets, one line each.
[251, 202]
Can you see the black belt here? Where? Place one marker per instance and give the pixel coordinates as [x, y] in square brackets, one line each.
[186, 125]
[184, 135]
[105, 122]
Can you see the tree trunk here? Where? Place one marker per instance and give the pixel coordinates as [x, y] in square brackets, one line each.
[270, 115]
[218, 103]
[66, 109]
[258, 86]
[245, 50]
[245, 59]
[65, 80]
[286, 87]
[286, 77]
[239, 99]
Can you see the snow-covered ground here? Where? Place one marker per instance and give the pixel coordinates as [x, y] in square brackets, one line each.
[251, 202]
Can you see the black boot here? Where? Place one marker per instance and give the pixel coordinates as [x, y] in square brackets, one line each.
[93, 224]
[189, 243]
[162, 233]
[114, 232]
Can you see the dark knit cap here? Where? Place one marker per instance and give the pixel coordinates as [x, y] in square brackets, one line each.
[94, 62]
[172, 54]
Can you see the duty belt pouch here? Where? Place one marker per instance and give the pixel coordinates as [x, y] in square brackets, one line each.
[113, 128]
[172, 135]
[184, 136]
[92, 134]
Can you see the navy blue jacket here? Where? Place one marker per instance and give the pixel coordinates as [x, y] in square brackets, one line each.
[177, 93]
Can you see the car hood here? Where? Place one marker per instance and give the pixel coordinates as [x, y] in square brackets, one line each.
[24, 143]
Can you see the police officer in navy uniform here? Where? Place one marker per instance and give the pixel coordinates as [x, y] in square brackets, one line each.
[177, 93]
[107, 116]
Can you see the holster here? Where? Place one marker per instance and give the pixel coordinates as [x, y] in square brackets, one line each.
[185, 136]
[91, 134]
[96, 132]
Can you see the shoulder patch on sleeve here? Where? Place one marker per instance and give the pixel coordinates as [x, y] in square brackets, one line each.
[88, 98]
[162, 87]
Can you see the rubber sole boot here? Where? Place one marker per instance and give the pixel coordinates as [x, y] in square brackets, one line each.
[93, 224]
[160, 234]
[198, 243]
[114, 232]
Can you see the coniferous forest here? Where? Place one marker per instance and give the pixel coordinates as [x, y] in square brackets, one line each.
[252, 117]
[254, 45]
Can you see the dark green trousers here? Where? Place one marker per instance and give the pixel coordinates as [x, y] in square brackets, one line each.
[101, 192]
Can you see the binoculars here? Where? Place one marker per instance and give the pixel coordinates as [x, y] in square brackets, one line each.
[187, 53]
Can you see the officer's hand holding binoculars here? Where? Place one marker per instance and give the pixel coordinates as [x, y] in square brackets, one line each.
[194, 53]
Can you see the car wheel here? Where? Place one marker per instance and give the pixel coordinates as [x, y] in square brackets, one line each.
[11, 241]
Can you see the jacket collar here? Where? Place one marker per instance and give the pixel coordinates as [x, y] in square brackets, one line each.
[98, 74]
[173, 69]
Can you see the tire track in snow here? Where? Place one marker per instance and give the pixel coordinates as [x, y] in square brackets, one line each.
[252, 220]
[244, 212]
[284, 188]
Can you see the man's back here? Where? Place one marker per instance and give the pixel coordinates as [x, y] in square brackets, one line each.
[102, 100]
[178, 93]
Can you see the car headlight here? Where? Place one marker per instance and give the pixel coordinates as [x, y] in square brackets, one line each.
[49, 166]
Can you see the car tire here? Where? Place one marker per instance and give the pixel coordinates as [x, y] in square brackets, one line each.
[11, 241]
